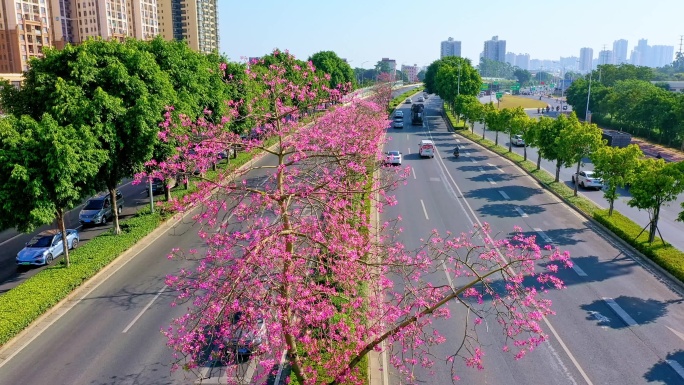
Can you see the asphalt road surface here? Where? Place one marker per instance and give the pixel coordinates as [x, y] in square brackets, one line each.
[616, 323]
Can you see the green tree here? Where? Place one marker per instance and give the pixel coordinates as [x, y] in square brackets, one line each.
[115, 89]
[617, 167]
[339, 70]
[517, 123]
[497, 121]
[473, 111]
[575, 142]
[46, 169]
[523, 76]
[545, 133]
[655, 184]
[489, 115]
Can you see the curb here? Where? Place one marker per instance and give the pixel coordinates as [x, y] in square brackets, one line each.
[672, 281]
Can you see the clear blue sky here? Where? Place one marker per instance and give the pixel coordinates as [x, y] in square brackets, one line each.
[411, 31]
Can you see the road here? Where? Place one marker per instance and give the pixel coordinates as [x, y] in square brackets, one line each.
[617, 322]
[112, 334]
[12, 241]
[670, 228]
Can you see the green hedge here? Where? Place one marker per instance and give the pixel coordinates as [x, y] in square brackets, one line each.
[400, 99]
[23, 304]
[665, 255]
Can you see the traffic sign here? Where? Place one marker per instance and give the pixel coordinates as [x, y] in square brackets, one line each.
[499, 95]
[484, 87]
[515, 87]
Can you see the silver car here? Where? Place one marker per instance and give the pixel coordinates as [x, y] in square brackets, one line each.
[98, 210]
[43, 248]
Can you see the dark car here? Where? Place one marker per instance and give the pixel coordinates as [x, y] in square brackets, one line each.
[98, 209]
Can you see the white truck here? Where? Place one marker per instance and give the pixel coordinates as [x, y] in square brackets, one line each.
[426, 148]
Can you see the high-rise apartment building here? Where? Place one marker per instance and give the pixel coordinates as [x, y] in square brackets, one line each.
[620, 51]
[24, 32]
[522, 61]
[195, 21]
[392, 64]
[662, 55]
[586, 59]
[510, 58]
[605, 57]
[495, 49]
[411, 72]
[450, 47]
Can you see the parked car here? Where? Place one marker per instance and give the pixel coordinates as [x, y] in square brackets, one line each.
[518, 140]
[393, 158]
[98, 209]
[586, 179]
[43, 248]
[245, 340]
[158, 186]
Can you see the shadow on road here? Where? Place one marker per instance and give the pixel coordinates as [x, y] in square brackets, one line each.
[508, 210]
[662, 371]
[490, 194]
[496, 177]
[559, 237]
[643, 311]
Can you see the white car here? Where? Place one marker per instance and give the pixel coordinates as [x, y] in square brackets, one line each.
[408, 101]
[398, 114]
[518, 140]
[421, 99]
[398, 124]
[586, 179]
[393, 158]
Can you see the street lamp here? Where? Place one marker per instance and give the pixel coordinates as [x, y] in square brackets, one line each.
[363, 74]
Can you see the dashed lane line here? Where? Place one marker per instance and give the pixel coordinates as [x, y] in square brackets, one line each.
[620, 312]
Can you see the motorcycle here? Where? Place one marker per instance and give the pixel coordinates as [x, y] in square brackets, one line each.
[456, 153]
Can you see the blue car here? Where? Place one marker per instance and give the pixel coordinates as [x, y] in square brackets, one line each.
[43, 248]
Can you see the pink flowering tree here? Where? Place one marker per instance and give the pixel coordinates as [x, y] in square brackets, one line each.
[291, 247]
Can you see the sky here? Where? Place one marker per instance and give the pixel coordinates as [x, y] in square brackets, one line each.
[410, 32]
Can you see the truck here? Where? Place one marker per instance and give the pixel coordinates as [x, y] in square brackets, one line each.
[617, 138]
[417, 114]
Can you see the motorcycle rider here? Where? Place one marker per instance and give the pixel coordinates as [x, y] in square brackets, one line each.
[456, 151]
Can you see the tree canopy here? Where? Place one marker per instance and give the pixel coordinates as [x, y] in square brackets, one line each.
[339, 70]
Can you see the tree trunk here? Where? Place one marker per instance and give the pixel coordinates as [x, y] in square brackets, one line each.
[62, 229]
[510, 141]
[558, 167]
[577, 177]
[610, 206]
[538, 161]
[115, 211]
[525, 152]
[496, 138]
[484, 128]
[472, 127]
[654, 225]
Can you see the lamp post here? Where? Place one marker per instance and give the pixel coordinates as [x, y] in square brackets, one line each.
[586, 112]
[363, 77]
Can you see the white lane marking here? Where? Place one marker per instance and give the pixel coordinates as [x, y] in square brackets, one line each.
[578, 270]
[676, 366]
[678, 334]
[280, 367]
[495, 166]
[424, 210]
[504, 195]
[473, 160]
[435, 180]
[407, 136]
[521, 212]
[458, 140]
[491, 181]
[543, 235]
[14, 237]
[409, 150]
[567, 351]
[620, 312]
[490, 165]
[481, 169]
[144, 309]
[599, 317]
[413, 170]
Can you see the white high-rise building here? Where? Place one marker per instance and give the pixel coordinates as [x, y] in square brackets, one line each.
[585, 59]
[606, 57]
[495, 49]
[450, 47]
[522, 61]
[620, 51]
[662, 55]
[510, 58]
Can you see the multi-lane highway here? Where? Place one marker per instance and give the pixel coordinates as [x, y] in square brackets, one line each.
[616, 323]
[669, 227]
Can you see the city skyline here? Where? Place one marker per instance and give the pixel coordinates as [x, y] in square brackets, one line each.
[363, 38]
